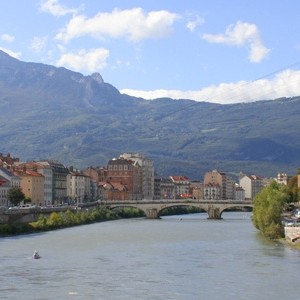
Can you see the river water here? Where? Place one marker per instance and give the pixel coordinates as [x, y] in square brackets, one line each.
[178, 257]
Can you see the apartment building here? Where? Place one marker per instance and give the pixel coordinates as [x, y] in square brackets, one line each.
[59, 181]
[147, 172]
[79, 187]
[44, 170]
[182, 186]
[32, 185]
[126, 173]
[252, 185]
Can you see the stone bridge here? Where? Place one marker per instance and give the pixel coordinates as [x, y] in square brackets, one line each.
[153, 208]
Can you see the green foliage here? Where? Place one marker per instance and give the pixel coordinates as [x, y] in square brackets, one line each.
[15, 196]
[268, 207]
[180, 210]
[129, 212]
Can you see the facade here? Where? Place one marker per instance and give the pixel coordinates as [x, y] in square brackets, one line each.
[7, 181]
[46, 171]
[197, 190]
[32, 185]
[182, 186]
[147, 173]
[252, 185]
[127, 173]
[239, 194]
[167, 188]
[225, 183]
[59, 181]
[212, 191]
[98, 174]
[4, 188]
[113, 191]
[78, 186]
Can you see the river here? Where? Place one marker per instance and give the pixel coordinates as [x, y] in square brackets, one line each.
[177, 257]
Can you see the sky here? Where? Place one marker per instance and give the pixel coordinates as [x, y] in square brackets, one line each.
[217, 51]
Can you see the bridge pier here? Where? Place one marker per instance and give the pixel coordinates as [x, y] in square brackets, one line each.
[214, 213]
[151, 213]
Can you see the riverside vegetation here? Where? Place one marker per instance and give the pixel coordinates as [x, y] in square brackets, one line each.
[269, 205]
[58, 220]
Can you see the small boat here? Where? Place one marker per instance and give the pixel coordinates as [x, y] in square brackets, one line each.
[36, 255]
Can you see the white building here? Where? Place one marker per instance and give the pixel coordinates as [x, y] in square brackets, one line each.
[252, 185]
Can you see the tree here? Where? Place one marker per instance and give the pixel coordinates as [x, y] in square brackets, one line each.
[15, 196]
[268, 207]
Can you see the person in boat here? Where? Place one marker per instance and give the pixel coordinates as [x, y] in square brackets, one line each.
[35, 254]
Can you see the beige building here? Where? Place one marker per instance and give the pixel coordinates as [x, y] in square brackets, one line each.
[32, 185]
[78, 186]
[44, 170]
[214, 179]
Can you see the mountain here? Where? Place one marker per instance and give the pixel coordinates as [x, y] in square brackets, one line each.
[55, 113]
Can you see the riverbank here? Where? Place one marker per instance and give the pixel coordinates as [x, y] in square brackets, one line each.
[67, 219]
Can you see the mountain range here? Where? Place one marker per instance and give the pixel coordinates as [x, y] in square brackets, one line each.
[54, 113]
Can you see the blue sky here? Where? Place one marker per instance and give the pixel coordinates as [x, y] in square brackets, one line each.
[217, 51]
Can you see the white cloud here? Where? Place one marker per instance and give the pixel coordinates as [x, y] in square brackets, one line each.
[11, 53]
[38, 43]
[242, 34]
[92, 60]
[133, 24]
[192, 24]
[284, 84]
[7, 38]
[54, 8]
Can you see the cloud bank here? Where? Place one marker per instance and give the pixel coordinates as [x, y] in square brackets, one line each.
[284, 84]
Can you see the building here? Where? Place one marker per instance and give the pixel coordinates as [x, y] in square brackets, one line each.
[8, 160]
[282, 178]
[212, 191]
[252, 185]
[127, 173]
[46, 171]
[225, 183]
[166, 188]
[197, 190]
[8, 180]
[59, 181]
[147, 173]
[32, 184]
[182, 186]
[4, 188]
[78, 186]
[239, 194]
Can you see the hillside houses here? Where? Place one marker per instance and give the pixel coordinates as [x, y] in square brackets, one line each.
[128, 177]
